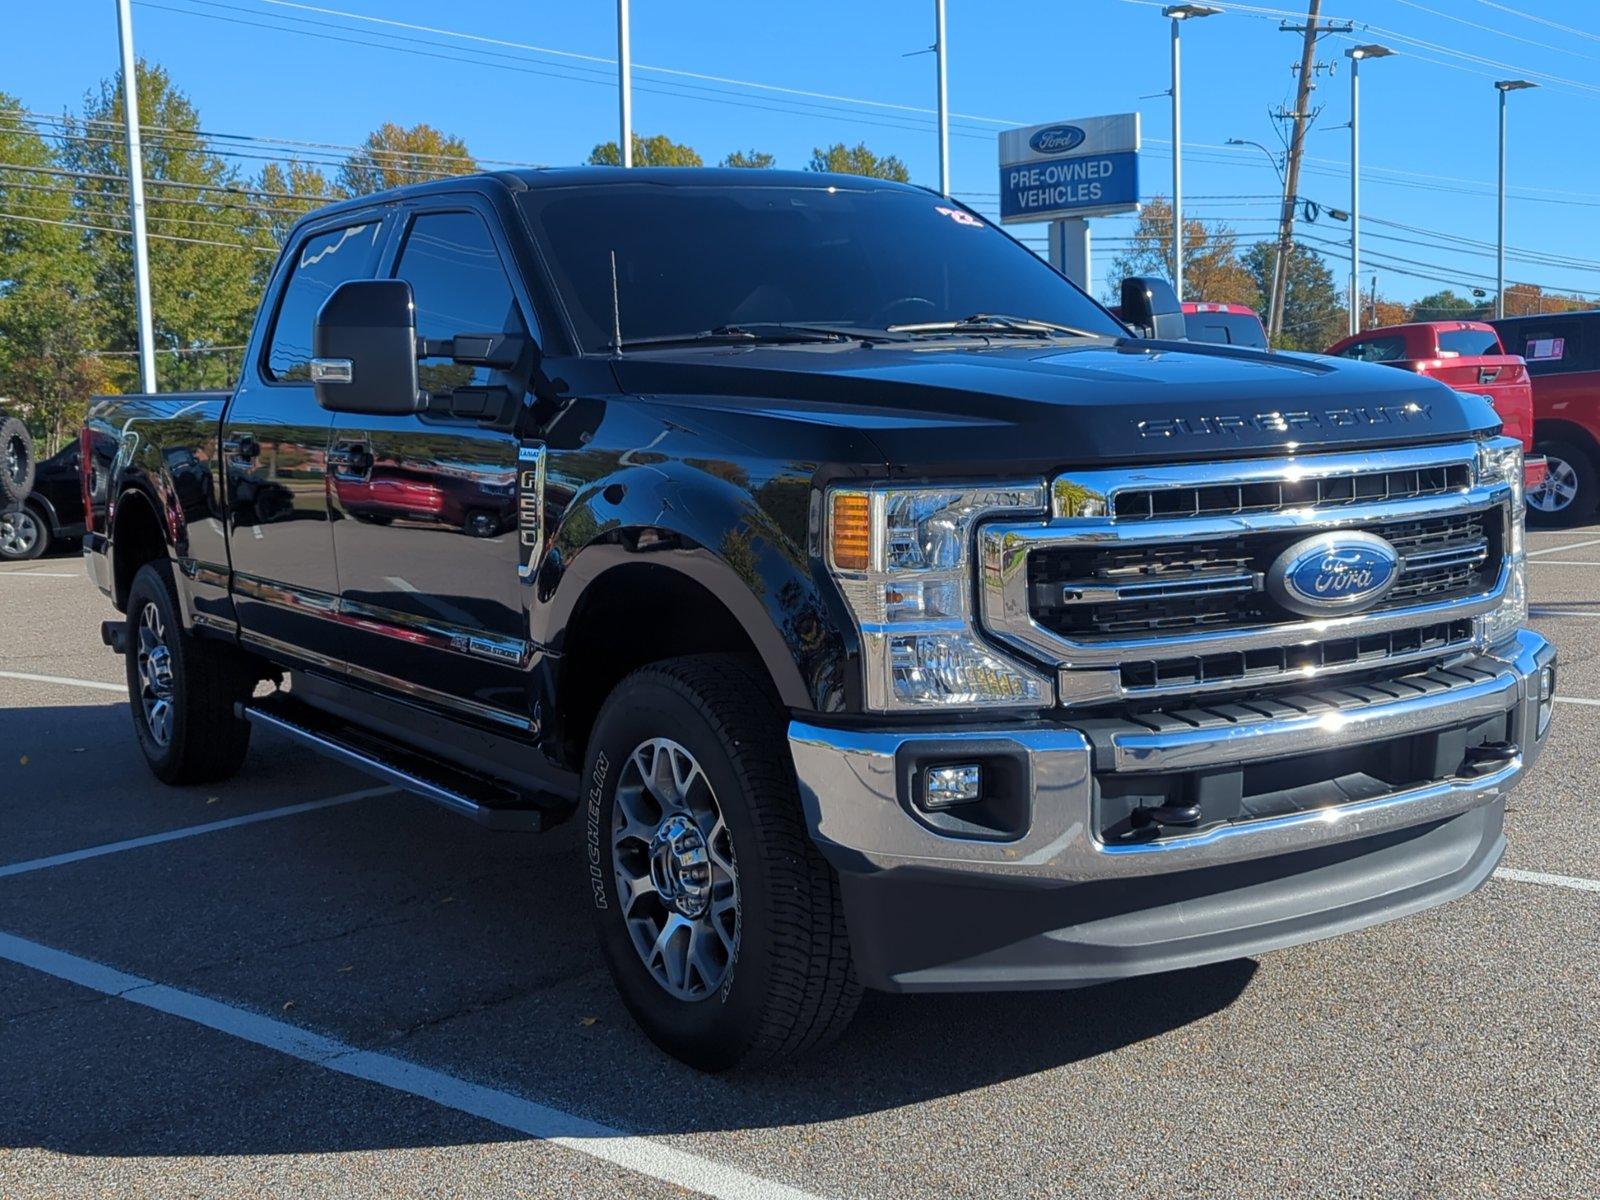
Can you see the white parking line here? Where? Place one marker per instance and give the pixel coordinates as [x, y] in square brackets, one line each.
[1578, 700]
[120, 688]
[1568, 562]
[1568, 546]
[188, 831]
[37, 575]
[1566, 881]
[630, 1151]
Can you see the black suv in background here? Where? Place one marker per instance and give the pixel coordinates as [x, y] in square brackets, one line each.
[887, 613]
[51, 511]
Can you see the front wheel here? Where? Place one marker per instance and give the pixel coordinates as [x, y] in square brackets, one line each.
[23, 535]
[183, 689]
[718, 918]
[1570, 491]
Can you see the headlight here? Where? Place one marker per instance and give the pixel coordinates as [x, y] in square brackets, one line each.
[903, 560]
[1500, 464]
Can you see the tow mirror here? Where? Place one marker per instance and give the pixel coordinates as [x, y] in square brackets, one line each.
[1151, 306]
[364, 349]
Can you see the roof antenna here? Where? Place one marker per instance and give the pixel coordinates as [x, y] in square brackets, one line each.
[616, 309]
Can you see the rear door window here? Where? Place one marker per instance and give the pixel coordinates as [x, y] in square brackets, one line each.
[1469, 343]
[322, 262]
[1228, 329]
[1557, 346]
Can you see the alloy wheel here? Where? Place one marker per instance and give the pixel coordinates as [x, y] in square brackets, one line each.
[1558, 488]
[19, 533]
[155, 675]
[677, 882]
[16, 459]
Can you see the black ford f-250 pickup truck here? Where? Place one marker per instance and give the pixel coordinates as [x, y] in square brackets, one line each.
[887, 613]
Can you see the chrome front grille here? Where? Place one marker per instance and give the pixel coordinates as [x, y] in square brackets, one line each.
[1093, 592]
[1150, 581]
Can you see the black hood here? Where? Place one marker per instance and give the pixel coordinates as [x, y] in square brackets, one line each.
[1009, 407]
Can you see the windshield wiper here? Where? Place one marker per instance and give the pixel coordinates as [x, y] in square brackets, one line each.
[770, 333]
[996, 323]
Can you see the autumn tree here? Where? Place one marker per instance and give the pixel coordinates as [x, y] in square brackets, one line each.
[749, 158]
[1445, 305]
[657, 151]
[393, 156]
[858, 160]
[285, 192]
[1212, 268]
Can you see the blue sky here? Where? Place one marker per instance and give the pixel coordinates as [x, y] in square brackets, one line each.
[1428, 115]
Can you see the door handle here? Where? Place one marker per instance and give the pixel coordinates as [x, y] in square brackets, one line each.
[350, 458]
[242, 446]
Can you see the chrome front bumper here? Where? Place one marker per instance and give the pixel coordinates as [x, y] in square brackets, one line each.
[858, 811]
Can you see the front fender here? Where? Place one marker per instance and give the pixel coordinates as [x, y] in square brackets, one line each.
[744, 545]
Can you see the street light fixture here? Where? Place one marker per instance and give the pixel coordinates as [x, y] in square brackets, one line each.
[1503, 86]
[1356, 54]
[1179, 13]
[1271, 157]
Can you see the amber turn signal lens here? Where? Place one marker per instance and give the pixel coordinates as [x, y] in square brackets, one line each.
[851, 531]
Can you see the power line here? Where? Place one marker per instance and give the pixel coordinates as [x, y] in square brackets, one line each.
[166, 237]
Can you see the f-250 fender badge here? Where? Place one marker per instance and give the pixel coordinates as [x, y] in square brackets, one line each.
[1334, 573]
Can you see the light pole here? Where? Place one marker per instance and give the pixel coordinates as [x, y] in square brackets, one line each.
[1356, 54]
[944, 105]
[1178, 14]
[1503, 86]
[141, 246]
[625, 84]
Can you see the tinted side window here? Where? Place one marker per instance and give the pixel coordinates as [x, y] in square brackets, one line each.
[1389, 349]
[1469, 343]
[1229, 329]
[1552, 346]
[458, 285]
[323, 262]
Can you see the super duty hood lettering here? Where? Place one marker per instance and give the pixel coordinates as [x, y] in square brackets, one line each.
[1410, 412]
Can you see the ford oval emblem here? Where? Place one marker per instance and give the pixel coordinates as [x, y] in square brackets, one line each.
[1334, 573]
[1056, 139]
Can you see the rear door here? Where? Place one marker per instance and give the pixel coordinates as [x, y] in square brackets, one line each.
[1563, 357]
[273, 453]
[425, 506]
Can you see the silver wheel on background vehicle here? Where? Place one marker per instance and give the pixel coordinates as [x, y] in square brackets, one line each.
[1558, 489]
[19, 533]
[677, 883]
[155, 675]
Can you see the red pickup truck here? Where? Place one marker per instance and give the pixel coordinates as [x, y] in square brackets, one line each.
[1468, 356]
[1563, 356]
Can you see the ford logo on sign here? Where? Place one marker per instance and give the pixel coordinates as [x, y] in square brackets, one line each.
[1056, 139]
[1333, 573]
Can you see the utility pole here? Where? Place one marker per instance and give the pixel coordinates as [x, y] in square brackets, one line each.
[944, 104]
[1291, 179]
[141, 245]
[624, 83]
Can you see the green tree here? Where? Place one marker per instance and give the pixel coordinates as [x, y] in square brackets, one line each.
[285, 192]
[48, 361]
[858, 160]
[749, 158]
[657, 151]
[1442, 306]
[1212, 268]
[207, 242]
[393, 156]
[1313, 310]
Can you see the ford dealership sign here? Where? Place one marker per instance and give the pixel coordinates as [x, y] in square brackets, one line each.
[1084, 168]
[1056, 139]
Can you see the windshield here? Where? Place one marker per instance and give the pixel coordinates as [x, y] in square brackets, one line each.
[693, 259]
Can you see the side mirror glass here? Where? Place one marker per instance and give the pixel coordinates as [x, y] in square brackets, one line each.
[1151, 306]
[364, 349]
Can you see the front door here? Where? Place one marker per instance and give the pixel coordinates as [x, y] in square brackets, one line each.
[425, 506]
[273, 455]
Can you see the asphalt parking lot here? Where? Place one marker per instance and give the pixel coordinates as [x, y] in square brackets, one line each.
[297, 983]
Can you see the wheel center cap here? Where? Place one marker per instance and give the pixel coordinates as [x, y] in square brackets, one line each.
[680, 867]
[161, 671]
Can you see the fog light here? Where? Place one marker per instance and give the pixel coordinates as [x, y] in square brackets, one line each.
[946, 787]
[1547, 696]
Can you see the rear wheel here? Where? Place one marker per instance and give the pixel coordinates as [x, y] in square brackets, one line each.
[1571, 488]
[720, 921]
[16, 462]
[23, 535]
[183, 689]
